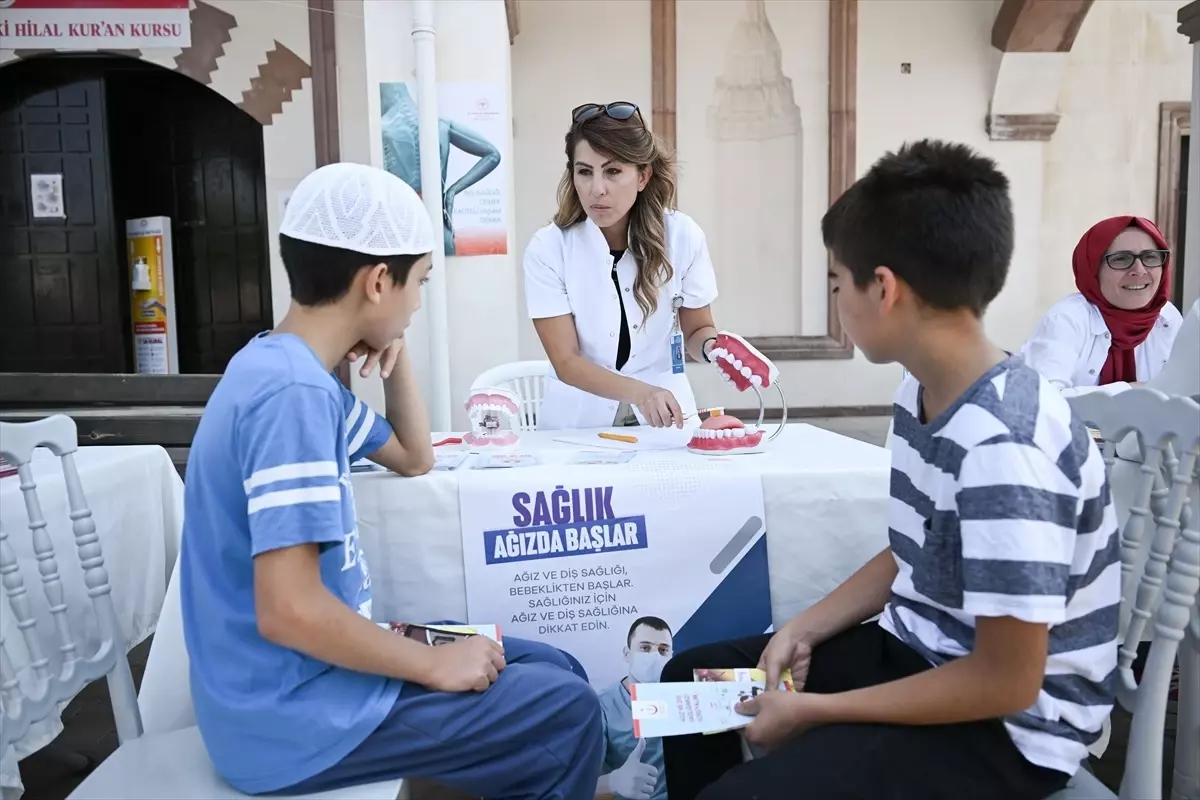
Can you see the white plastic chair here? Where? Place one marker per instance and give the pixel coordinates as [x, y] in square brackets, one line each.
[144, 767]
[1167, 581]
[525, 379]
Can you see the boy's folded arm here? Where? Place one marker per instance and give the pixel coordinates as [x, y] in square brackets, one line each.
[295, 610]
[860, 597]
[407, 447]
[1001, 677]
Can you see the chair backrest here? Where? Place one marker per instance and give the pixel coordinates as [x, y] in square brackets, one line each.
[1167, 577]
[525, 379]
[31, 690]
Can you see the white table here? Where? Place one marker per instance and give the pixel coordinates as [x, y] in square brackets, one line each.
[136, 498]
[826, 505]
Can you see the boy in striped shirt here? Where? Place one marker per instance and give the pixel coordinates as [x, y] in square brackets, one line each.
[991, 665]
[296, 689]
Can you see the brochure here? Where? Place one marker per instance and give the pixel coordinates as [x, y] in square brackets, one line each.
[679, 709]
[755, 677]
[506, 460]
[600, 456]
[443, 634]
[449, 460]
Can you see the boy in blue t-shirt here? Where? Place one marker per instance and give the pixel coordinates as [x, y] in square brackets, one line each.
[295, 688]
[991, 666]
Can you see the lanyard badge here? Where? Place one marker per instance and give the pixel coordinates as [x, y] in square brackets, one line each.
[676, 337]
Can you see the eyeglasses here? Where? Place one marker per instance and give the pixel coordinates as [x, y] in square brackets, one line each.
[1123, 259]
[621, 110]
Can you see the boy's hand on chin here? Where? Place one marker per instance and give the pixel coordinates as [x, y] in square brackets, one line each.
[385, 358]
[778, 716]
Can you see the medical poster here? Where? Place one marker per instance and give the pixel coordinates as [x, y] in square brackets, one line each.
[473, 134]
[152, 296]
[620, 568]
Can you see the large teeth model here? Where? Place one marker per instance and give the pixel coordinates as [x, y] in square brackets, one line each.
[486, 407]
[725, 434]
[741, 364]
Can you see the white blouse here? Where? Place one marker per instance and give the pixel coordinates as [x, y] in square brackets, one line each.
[570, 272]
[1071, 342]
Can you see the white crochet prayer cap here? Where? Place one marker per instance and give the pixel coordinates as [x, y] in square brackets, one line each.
[360, 208]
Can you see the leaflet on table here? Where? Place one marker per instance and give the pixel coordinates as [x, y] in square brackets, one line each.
[505, 461]
[600, 456]
[681, 709]
[648, 439]
[449, 460]
[442, 634]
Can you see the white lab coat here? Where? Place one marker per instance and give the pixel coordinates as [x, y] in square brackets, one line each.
[570, 272]
[1070, 345]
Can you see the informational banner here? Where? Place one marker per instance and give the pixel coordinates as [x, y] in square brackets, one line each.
[473, 133]
[94, 24]
[620, 567]
[152, 296]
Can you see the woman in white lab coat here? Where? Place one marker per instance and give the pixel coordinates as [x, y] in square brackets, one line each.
[1119, 327]
[619, 286]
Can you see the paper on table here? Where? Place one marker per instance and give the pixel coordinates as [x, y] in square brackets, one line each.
[680, 709]
[505, 460]
[600, 456]
[449, 460]
[647, 439]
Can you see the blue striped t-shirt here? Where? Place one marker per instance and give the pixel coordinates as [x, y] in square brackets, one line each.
[1000, 508]
[269, 468]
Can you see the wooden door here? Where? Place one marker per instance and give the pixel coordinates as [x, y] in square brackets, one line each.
[60, 286]
[201, 164]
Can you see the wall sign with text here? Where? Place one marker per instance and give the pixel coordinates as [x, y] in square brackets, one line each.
[94, 24]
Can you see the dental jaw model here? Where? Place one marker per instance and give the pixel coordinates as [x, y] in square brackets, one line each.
[743, 367]
[487, 408]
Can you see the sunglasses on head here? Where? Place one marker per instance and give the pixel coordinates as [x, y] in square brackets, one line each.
[1123, 259]
[621, 110]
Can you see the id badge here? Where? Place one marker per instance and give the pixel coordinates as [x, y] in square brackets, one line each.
[677, 353]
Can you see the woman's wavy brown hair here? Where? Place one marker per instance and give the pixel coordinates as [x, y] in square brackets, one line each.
[630, 142]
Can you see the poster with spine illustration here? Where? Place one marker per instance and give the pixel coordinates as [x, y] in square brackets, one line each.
[620, 568]
[474, 132]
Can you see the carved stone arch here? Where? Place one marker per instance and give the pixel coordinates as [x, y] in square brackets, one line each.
[280, 73]
[1034, 38]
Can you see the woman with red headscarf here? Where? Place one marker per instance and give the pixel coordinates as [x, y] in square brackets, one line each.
[1119, 327]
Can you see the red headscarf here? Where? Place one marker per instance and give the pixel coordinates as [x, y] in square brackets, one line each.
[1128, 328]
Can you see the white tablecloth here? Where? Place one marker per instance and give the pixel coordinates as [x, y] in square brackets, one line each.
[826, 503]
[136, 498]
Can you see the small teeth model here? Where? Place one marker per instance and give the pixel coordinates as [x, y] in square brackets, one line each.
[486, 407]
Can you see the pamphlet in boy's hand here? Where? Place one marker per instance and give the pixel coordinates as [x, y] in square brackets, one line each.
[758, 677]
[679, 709]
[755, 677]
[443, 634]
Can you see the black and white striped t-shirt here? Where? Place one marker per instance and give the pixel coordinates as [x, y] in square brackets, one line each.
[1000, 507]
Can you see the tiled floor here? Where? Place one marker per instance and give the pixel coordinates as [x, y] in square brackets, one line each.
[89, 728]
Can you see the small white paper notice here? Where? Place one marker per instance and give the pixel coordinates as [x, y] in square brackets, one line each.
[47, 196]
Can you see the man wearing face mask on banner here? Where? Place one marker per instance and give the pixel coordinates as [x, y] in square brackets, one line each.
[635, 766]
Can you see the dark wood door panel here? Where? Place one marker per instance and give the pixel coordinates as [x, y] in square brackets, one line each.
[60, 307]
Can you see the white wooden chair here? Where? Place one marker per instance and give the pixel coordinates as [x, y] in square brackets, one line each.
[149, 767]
[525, 379]
[1167, 579]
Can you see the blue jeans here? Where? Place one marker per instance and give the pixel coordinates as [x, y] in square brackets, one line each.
[535, 734]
